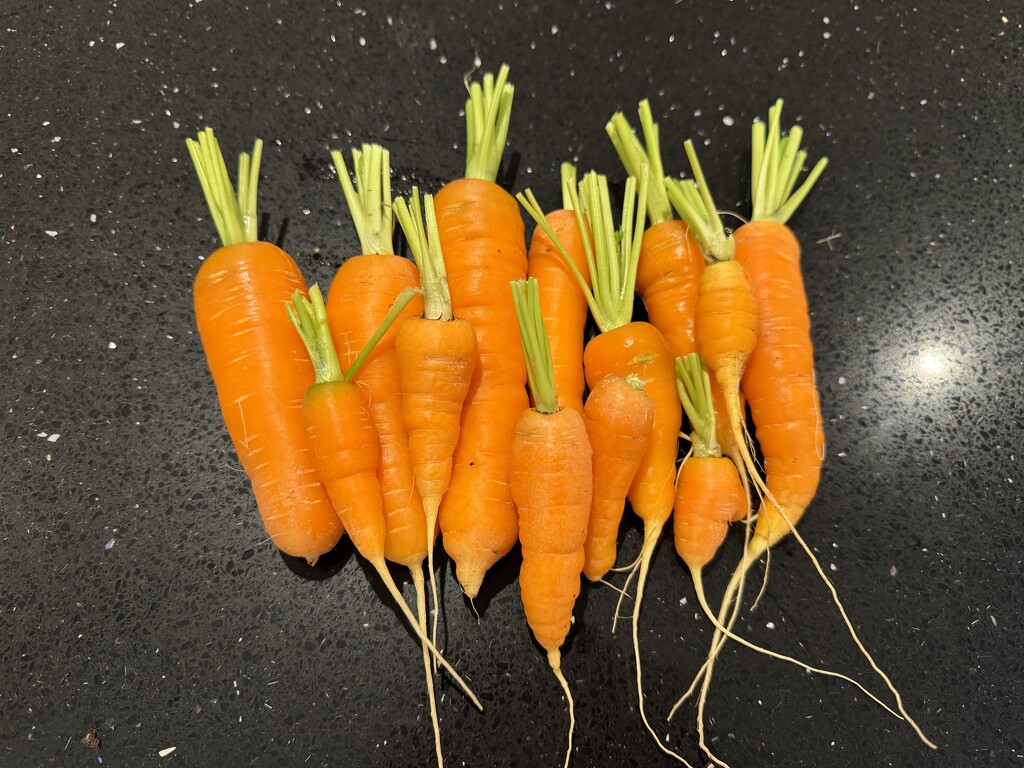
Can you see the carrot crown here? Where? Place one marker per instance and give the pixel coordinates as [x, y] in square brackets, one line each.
[536, 347]
[776, 163]
[612, 254]
[369, 201]
[233, 211]
[692, 200]
[309, 316]
[488, 111]
[425, 244]
[694, 387]
[642, 159]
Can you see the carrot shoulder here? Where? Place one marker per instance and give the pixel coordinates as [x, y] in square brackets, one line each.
[482, 238]
[256, 360]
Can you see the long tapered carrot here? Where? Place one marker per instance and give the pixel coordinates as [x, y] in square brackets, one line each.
[255, 359]
[343, 441]
[551, 476]
[563, 306]
[481, 234]
[362, 293]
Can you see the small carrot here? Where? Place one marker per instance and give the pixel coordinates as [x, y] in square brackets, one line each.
[671, 261]
[255, 359]
[437, 354]
[625, 348]
[481, 234]
[551, 476]
[562, 304]
[343, 441]
[619, 417]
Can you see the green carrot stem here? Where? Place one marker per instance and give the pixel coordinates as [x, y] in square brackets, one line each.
[233, 210]
[694, 387]
[488, 112]
[694, 204]
[309, 316]
[569, 182]
[776, 164]
[536, 348]
[425, 244]
[642, 159]
[369, 200]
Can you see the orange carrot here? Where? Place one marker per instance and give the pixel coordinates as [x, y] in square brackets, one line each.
[626, 348]
[552, 485]
[437, 354]
[362, 293]
[343, 442]
[618, 415]
[481, 234]
[562, 304]
[256, 360]
[671, 261]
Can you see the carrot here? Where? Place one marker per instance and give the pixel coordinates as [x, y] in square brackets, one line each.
[343, 441]
[255, 359]
[671, 261]
[437, 354]
[562, 305]
[625, 348]
[481, 234]
[551, 476]
[361, 295]
[619, 416]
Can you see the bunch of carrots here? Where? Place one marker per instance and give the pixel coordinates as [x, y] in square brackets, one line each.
[457, 393]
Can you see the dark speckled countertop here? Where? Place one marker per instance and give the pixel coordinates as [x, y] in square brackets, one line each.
[139, 595]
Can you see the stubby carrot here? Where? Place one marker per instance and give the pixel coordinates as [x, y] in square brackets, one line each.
[256, 360]
[482, 237]
[552, 485]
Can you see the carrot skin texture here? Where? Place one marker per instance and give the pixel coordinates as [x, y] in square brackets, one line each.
[481, 233]
[436, 360]
[343, 441]
[708, 495]
[667, 278]
[551, 479]
[261, 372]
[618, 418]
[363, 290]
[562, 304]
[639, 348]
[779, 381]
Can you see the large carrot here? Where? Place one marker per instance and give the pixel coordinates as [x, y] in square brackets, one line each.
[343, 442]
[671, 260]
[562, 304]
[481, 234]
[437, 354]
[361, 295]
[552, 484]
[256, 360]
[626, 348]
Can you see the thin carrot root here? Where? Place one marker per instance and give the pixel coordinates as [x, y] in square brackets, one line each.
[421, 610]
[382, 570]
[646, 555]
[433, 583]
[555, 661]
[624, 592]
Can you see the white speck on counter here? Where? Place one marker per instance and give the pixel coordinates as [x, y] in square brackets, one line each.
[118, 46]
[108, 546]
[832, 567]
[892, 570]
[53, 438]
[165, 752]
[728, 120]
[51, 232]
[554, 29]
[770, 625]
[842, 379]
[111, 345]
[92, 218]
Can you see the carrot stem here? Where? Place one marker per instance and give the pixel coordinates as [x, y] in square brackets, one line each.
[694, 385]
[693, 202]
[233, 210]
[309, 316]
[540, 369]
[641, 160]
[569, 182]
[488, 112]
[369, 200]
[425, 244]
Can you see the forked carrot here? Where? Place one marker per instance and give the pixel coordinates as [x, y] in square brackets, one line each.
[481, 235]
[343, 441]
[551, 475]
[256, 360]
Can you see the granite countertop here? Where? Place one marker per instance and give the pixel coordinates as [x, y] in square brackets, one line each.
[139, 595]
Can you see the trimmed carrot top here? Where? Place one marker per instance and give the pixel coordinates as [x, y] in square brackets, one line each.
[369, 201]
[425, 244]
[233, 211]
[642, 159]
[488, 111]
[694, 386]
[692, 200]
[539, 368]
[776, 163]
